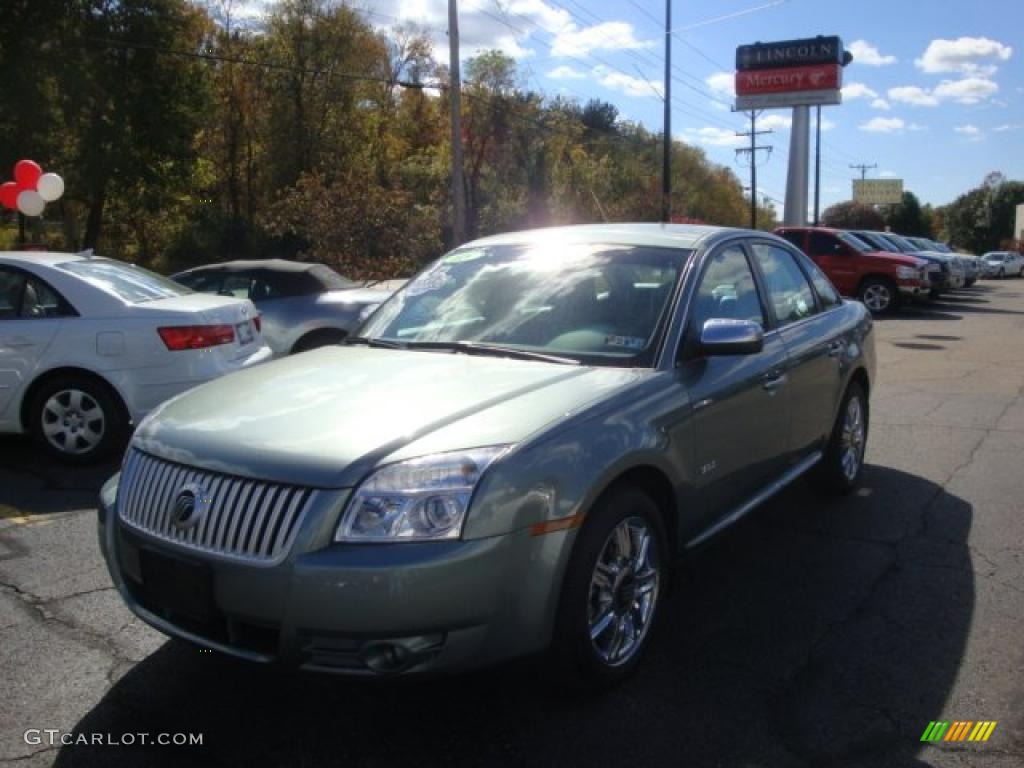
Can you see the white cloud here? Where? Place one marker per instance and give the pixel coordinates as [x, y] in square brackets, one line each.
[883, 125]
[880, 104]
[607, 36]
[888, 175]
[970, 130]
[911, 94]
[917, 127]
[627, 84]
[775, 122]
[853, 91]
[970, 90]
[715, 137]
[1006, 127]
[566, 73]
[865, 53]
[826, 124]
[722, 83]
[967, 55]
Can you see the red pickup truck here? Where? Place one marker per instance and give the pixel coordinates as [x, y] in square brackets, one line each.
[880, 279]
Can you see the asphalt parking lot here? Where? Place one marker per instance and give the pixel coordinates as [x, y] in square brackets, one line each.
[812, 634]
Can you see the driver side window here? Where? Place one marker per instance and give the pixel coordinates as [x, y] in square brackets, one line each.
[727, 290]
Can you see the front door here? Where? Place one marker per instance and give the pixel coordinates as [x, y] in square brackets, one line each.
[740, 402]
[836, 260]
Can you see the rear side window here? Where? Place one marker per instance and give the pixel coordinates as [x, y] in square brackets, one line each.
[788, 290]
[11, 286]
[822, 286]
[126, 281]
[822, 242]
[25, 297]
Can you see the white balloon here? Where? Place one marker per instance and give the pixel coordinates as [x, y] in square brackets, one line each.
[30, 202]
[50, 187]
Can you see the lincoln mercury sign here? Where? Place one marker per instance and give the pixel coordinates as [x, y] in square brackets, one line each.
[878, 191]
[790, 73]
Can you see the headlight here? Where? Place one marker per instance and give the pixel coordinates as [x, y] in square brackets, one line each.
[416, 500]
[906, 273]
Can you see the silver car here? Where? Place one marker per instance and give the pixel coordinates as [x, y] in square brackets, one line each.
[302, 306]
[1003, 264]
[507, 460]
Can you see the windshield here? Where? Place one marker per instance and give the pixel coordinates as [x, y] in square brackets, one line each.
[855, 242]
[901, 243]
[594, 303]
[126, 281]
[995, 257]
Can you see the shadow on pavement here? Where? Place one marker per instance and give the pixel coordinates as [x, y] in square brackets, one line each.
[813, 633]
[33, 483]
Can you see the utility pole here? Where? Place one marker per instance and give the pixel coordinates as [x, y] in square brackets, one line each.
[752, 151]
[666, 160]
[455, 101]
[863, 168]
[817, 165]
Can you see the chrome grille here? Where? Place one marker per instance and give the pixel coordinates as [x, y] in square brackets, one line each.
[244, 519]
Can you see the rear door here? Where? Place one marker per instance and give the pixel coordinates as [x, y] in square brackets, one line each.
[31, 314]
[806, 323]
[836, 259]
[741, 403]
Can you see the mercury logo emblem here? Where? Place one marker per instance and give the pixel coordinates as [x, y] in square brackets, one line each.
[188, 507]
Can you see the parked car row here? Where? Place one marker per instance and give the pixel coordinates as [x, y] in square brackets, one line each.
[885, 270]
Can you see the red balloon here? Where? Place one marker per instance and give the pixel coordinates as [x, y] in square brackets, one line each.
[9, 195]
[27, 173]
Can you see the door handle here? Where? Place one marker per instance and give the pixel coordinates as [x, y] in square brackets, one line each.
[772, 381]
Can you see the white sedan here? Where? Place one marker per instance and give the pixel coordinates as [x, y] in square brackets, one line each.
[89, 345]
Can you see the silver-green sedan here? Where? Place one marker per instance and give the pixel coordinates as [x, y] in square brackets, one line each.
[507, 459]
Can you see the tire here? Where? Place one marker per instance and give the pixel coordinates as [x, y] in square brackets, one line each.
[934, 294]
[586, 656]
[77, 419]
[839, 470]
[879, 295]
[324, 337]
[1002, 273]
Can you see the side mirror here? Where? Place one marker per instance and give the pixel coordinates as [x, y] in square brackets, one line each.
[720, 336]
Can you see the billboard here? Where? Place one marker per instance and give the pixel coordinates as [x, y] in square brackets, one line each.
[790, 73]
[878, 191]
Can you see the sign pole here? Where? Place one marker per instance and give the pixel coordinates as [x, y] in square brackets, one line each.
[796, 179]
[666, 162]
[817, 164]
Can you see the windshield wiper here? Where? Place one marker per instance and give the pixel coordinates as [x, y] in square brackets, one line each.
[381, 343]
[473, 348]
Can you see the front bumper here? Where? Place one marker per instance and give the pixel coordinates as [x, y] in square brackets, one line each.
[353, 609]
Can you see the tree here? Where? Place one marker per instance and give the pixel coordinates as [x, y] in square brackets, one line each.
[980, 219]
[851, 215]
[908, 218]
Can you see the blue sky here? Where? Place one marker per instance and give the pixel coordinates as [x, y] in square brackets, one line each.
[935, 95]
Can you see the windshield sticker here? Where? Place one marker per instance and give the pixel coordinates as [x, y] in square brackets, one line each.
[431, 281]
[468, 254]
[629, 342]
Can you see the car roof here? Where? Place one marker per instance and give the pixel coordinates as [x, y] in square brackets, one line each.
[243, 265]
[47, 258]
[650, 234]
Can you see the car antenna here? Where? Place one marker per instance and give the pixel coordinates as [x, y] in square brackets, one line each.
[87, 253]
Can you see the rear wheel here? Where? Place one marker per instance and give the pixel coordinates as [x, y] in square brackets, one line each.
[840, 468]
[616, 576]
[77, 419]
[879, 295]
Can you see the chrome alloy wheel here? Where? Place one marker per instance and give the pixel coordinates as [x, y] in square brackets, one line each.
[623, 591]
[852, 441]
[877, 297]
[73, 422]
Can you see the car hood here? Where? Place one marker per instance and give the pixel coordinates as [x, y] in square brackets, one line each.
[325, 418]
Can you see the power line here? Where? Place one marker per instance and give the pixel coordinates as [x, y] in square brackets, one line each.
[863, 168]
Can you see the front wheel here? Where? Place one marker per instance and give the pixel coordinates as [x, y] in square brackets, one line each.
[1002, 273]
[840, 468]
[616, 577]
[878, 295]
